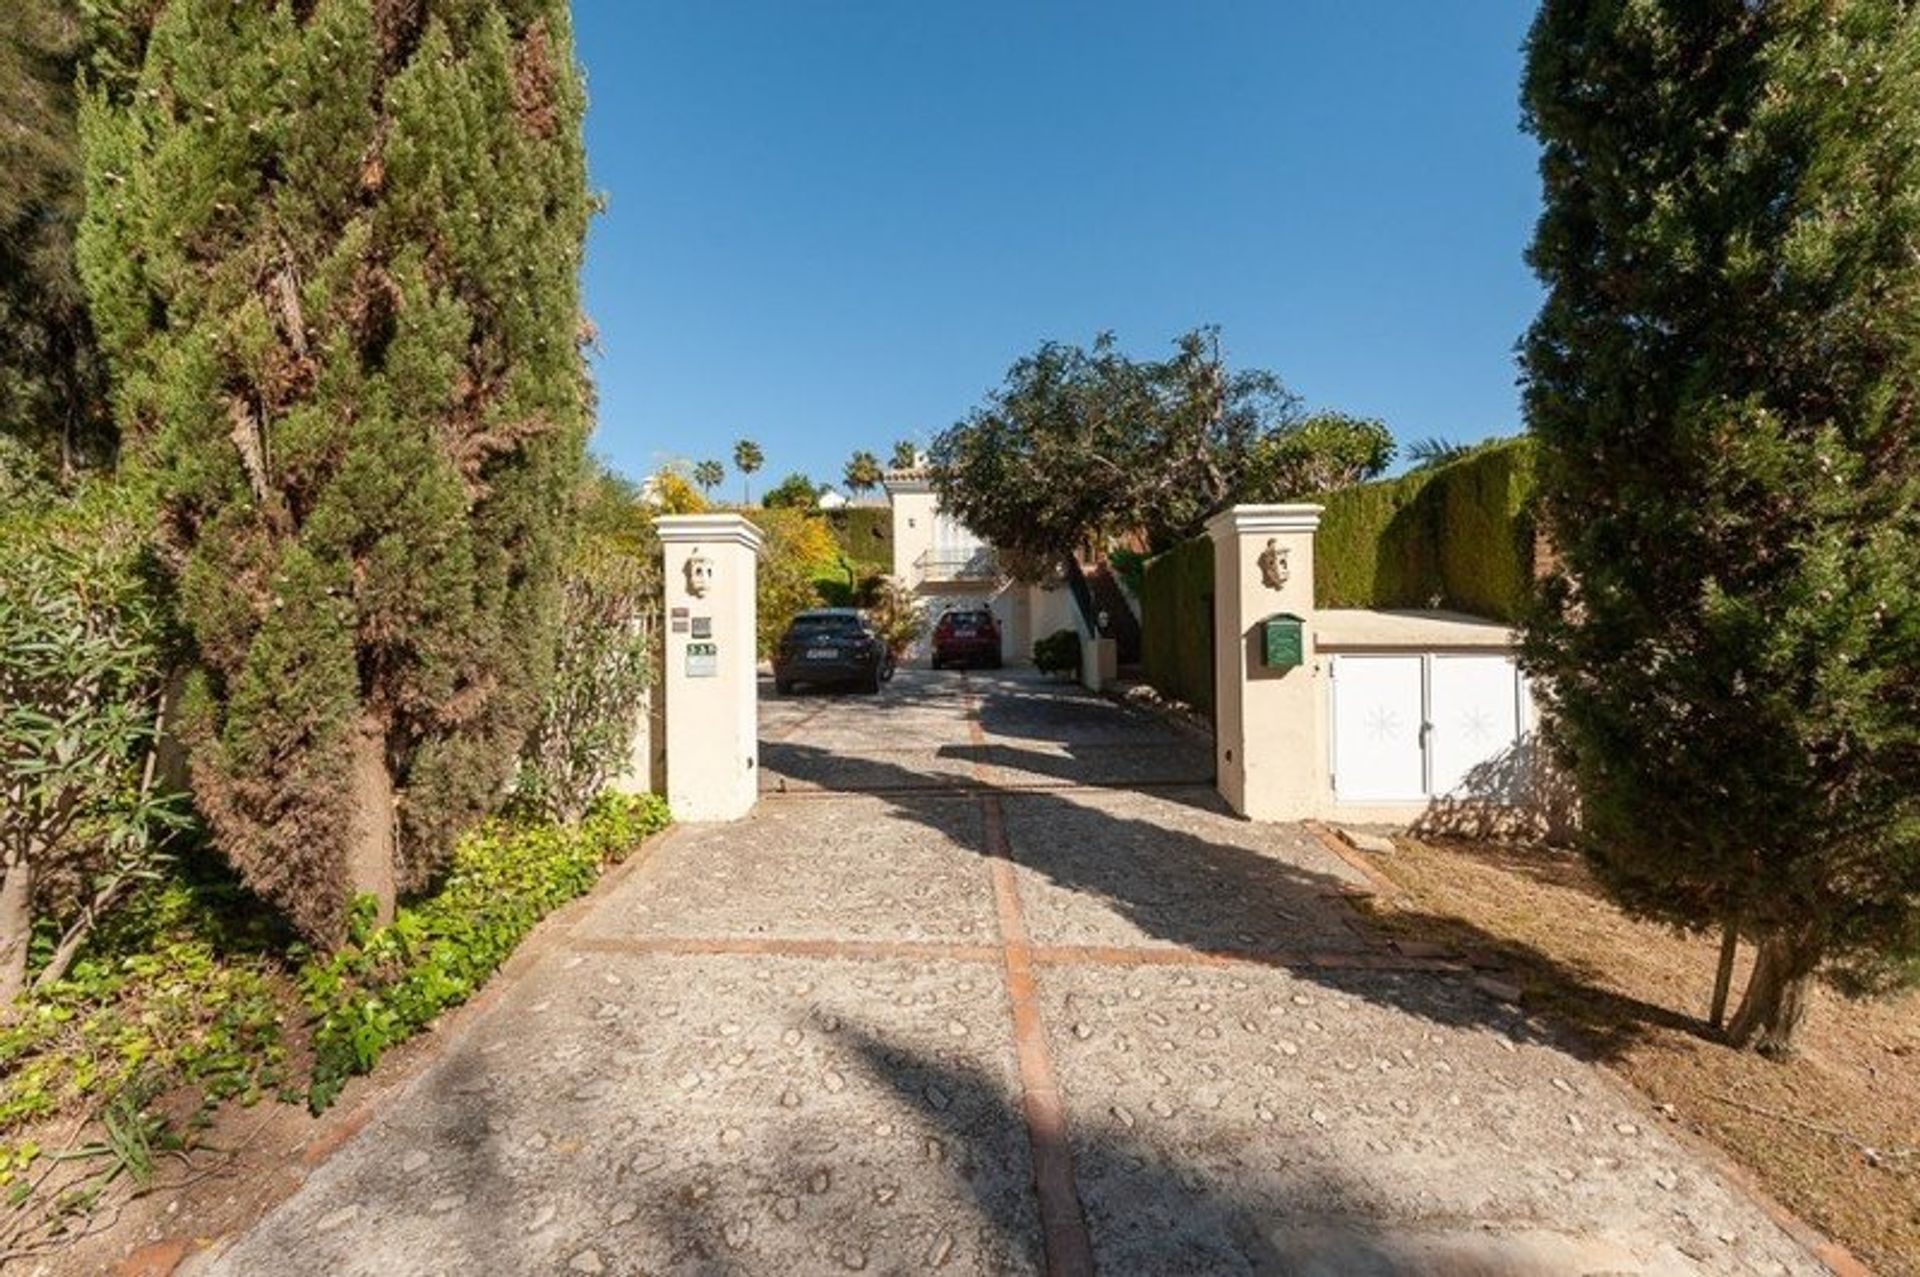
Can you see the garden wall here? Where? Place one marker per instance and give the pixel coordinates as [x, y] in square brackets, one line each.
[1457, 536]
[1176, 623]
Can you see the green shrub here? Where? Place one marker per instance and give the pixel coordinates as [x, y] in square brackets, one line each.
[1058, 653]
[1457, 536]
[1176, 623]
[83, 638]
[386, 985]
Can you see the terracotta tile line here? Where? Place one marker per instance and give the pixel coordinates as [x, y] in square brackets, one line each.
[1034, 955]
[866, 950]
[1063, 1225]
[1377, 882]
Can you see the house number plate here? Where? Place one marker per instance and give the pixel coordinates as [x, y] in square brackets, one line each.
[703, 660]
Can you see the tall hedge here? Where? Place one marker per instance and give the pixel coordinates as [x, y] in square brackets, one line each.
[864, 534]
[1176, 625]
[332, 250]
[1458, 536]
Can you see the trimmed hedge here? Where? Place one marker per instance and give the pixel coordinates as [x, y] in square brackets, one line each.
[1176, 626]
[864, 534]
[1458, 536]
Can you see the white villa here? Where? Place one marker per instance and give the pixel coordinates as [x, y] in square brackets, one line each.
[949, 566]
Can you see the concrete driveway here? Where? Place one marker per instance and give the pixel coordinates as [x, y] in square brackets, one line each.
[990, 983]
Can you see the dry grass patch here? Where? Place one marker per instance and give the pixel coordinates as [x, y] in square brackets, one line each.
[1833, 1134]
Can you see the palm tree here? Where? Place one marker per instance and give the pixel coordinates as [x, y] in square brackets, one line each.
[905, 455]
[747, 458]
[709, 474]
[863, 472]
[1432, 452]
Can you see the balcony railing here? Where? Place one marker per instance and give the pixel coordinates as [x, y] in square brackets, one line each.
[980, 564]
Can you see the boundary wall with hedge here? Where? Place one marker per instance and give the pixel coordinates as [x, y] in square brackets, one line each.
[1457, 536]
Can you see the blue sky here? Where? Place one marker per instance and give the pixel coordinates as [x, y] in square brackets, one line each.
[834, 224]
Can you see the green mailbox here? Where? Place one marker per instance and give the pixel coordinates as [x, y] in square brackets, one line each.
[1283, 641]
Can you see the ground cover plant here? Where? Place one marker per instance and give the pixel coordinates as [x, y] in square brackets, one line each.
[196, 993]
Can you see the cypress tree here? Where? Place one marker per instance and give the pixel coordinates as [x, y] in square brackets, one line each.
[332, 248]
[1724, 381]
[51, 397]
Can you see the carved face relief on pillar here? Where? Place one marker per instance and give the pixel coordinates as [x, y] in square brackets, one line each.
[1274, 571]
[699, 575]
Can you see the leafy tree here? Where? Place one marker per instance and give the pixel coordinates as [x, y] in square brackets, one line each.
[1321, 452]
[674, 493]
[747, 458]
[795, 492]
[332, 253]
[1723, 382]
[52, 393]
[709, 475]
[906, 455]
[863, 472]
[799, 550]
[1079, 446]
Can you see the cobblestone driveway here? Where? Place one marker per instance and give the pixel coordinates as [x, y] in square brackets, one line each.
[991, 984]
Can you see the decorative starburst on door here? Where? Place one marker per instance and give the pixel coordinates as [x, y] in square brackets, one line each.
[1476, 725]
[1383, 723]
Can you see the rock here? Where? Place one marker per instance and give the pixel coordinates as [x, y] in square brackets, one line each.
[940, 1251]
[1500, 990]
[414, 1161]
[1285, 1047]
[448, 1202]
[542, 1216]
[1360, 840]
[586, 1262]
[1122, 1116]
[1626, 1128]
[624, 1213]
[938, 1098]
[833, 1081]
[1320, 1117]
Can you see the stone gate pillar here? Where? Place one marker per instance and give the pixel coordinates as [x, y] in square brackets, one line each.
[712, 709]
[1268, 751]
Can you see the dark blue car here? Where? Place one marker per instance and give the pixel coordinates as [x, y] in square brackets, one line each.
[831, 645]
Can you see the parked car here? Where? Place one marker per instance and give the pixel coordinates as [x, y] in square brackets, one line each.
[966, 636]
[831, 645]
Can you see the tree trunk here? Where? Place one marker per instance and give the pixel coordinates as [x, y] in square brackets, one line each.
[371, 854]
[1723, 978]
[1776, 998]
[16, 929]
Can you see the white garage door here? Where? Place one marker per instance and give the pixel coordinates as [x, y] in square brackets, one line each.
[1414, 726]
[1474, 706]
[1377, 703]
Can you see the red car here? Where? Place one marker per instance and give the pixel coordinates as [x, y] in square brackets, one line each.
[966, 637]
